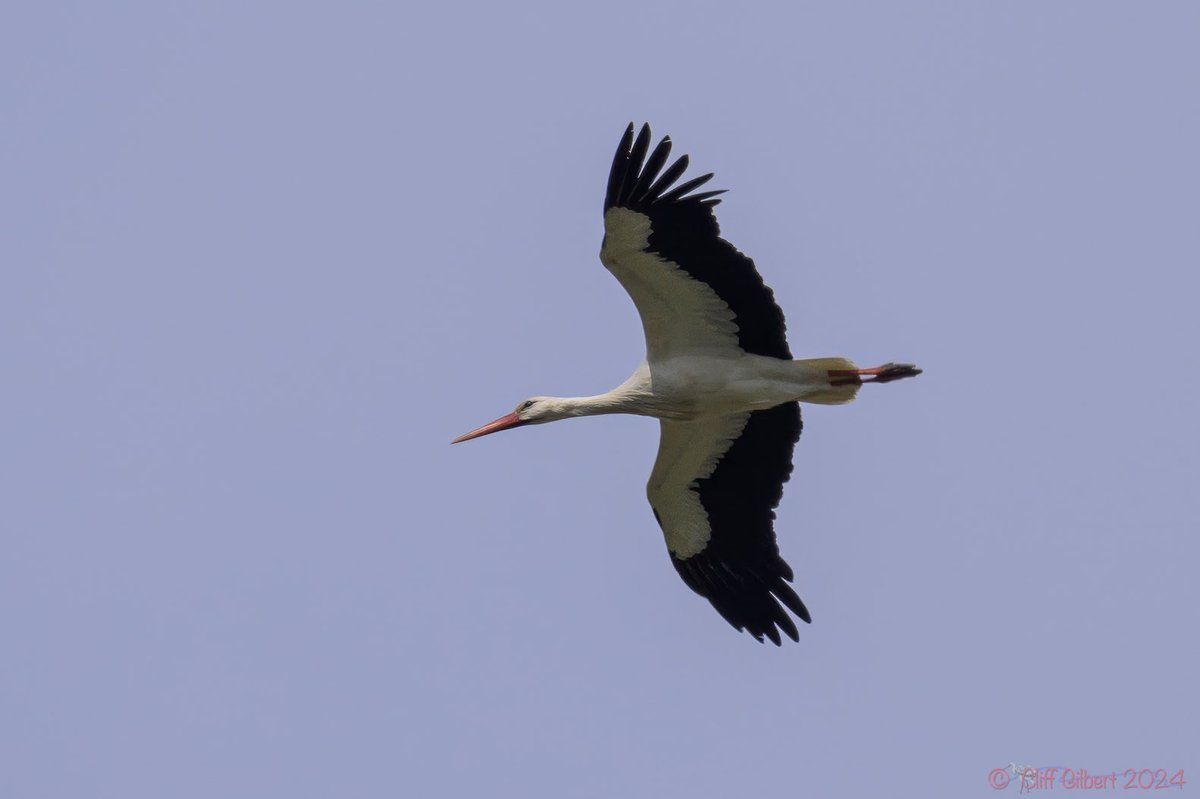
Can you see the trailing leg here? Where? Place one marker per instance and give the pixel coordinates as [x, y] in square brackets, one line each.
[876, 374]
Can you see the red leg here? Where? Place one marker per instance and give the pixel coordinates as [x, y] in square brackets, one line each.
[876, 374]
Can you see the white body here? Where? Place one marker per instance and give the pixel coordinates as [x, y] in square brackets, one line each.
[698, 386]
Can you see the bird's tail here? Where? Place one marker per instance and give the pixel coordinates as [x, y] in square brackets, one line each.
[828, 390]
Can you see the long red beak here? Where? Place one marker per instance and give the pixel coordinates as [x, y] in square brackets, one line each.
[503, 423]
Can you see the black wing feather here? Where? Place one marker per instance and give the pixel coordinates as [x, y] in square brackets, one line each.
[650, 171]
[684, 188]
[740, 571]
[673, 173]
[637, 156]
[616, 175]
[684, 231]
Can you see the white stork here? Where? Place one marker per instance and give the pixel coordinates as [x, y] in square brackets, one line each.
[718, 375]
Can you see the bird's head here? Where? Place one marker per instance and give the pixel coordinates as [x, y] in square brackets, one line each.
[534, 410]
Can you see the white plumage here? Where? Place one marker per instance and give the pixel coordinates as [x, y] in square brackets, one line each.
[720, 376]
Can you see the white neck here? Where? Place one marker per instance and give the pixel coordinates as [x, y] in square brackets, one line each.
[632, 396]
[610, 402]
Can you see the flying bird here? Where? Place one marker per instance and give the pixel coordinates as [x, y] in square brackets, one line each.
[719, 376]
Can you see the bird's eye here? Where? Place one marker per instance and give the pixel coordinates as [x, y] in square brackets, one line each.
[526, 405]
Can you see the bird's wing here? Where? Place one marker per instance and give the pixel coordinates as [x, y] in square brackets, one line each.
[694, 290]
[714, 489]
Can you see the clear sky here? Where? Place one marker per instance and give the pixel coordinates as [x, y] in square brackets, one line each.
[261, 262]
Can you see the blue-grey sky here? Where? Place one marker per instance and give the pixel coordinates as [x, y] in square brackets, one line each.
[261, 262]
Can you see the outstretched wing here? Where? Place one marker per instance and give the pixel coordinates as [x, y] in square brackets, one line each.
[694, 291]
[714, 490]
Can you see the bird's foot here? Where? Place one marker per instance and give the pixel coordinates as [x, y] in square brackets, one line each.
[876, 374]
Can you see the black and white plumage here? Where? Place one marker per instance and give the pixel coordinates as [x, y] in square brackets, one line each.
[720, 377]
